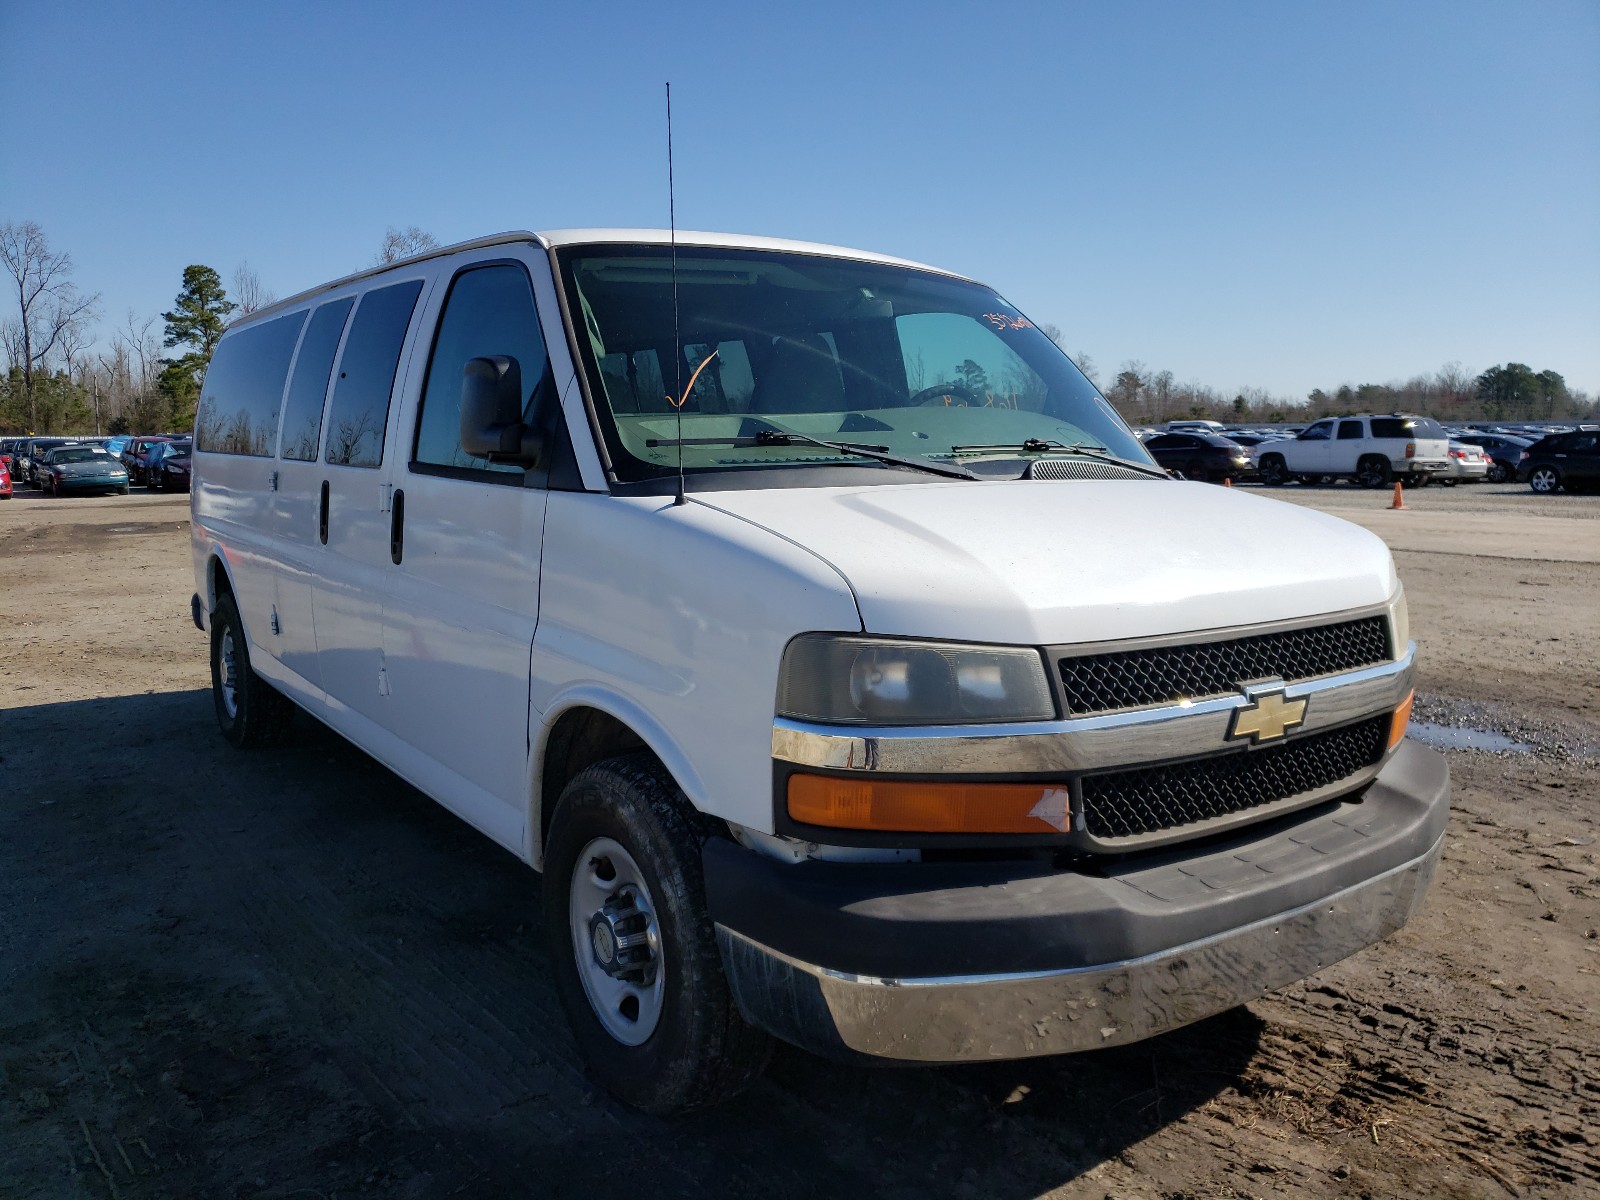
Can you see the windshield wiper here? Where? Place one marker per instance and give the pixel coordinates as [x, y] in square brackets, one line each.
[786, 437]
[1030, 446]
[1042, 446]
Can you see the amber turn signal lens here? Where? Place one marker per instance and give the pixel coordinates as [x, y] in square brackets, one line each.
[902, 807]
[1401, 718]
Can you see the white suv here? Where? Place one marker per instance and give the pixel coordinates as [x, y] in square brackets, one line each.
[808, 619]
[1373, 451]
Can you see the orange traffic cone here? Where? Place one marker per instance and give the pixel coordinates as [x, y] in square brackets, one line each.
[1227, 481]
[1399, 500]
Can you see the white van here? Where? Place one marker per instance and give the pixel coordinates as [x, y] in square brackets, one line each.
[847, 667]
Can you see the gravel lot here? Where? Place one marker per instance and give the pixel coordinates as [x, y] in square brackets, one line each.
[287, 974]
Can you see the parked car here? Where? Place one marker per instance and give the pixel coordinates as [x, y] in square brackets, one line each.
[135, 454]
[1372, 450]
[5, 480]
[167, 466]
[114, 446]
[1563, 460]
[8, 449]
[81, 469]
[31, 454]
[1504, 451]
[1201, 455]
[1468, 464]
[866, 714]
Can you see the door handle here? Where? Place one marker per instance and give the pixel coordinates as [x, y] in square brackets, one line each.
[397, 527]
[322, 517]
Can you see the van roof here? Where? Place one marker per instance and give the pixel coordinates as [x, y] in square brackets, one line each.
[561, 238]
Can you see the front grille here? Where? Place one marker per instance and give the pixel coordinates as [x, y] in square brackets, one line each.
[1164, 674]
[1128, 803]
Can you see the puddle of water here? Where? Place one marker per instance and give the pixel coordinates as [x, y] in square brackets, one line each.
[1451, 737]
[128, 529]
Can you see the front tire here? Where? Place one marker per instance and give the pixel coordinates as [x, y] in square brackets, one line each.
[1274, 472]
[634, 952]
[250, 712]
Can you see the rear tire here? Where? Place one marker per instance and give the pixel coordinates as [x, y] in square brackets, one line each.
[1545, 480]
[625, 840]
[250, 712]
[1497, 473]
[1374, 471]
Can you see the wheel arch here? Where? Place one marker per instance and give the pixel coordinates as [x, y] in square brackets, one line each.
[586, 726]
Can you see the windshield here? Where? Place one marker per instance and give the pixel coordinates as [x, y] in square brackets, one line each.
[886, 358]
[73, 454]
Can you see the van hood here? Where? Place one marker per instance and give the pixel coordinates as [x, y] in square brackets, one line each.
[1035, 562]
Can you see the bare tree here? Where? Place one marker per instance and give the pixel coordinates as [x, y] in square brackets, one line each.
[249, 293]
[403, 243]
[1086, 365]
[49, 304]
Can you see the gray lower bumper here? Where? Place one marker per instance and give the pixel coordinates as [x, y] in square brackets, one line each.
[964, 1018]
[951, 962]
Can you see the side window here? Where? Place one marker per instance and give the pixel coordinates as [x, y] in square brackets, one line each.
[308, 386]
[1582, 443]
[489, 312]
[1165, 442]
[1349, 431]
[1320, 432]
[238, 411]
[360, 408]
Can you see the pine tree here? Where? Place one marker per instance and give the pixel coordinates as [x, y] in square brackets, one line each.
[197, 321]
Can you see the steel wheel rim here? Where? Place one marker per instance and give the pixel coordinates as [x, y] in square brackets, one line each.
[228, 673]
[628, 1007]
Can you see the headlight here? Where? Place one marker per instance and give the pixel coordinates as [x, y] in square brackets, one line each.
[1399, 623]
[878, 681]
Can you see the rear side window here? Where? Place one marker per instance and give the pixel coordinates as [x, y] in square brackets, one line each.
[1406, 427]
[1349, 431]
[489, 312]
[308, 387]
[360, 408]
[244, 385]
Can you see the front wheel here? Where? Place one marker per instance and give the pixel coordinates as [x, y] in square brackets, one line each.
[1274, 472]
[634, 952]
[1545, 480]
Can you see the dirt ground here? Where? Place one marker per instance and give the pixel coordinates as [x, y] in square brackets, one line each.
[287, 974]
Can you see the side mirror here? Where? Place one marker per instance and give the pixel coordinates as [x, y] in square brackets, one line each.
[491, 412]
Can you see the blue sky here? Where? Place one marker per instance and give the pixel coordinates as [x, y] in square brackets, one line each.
[1279, 195]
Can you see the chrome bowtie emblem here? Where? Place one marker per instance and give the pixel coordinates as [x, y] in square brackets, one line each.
[1267, 716]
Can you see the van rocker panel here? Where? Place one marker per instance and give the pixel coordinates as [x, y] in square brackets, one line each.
[945, 962]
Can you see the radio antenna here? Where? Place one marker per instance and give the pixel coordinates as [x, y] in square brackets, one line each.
[677, 343]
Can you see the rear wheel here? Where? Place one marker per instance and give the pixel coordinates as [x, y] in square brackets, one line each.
[1274, 471]
[1373, 471]
[1498, 473]
[1545, 480]
[249, 711]
[632, 944]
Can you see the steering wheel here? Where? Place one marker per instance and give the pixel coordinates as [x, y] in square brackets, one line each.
[945, 391]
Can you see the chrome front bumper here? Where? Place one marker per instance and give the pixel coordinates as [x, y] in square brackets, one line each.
[967, 1018]
[954, 962]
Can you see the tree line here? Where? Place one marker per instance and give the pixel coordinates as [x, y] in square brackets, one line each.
[66, 374]
[62, 374]
[1509, 392]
